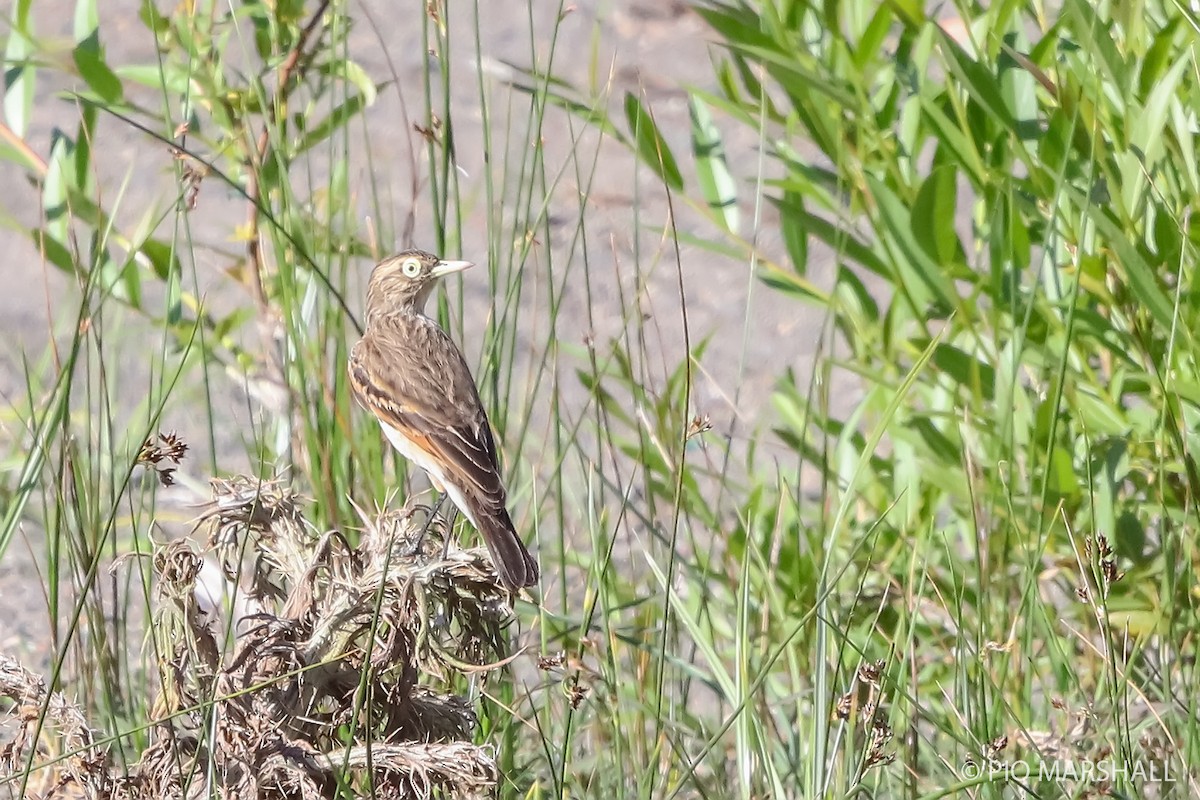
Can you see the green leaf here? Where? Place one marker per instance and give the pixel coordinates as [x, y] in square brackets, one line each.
[161, 258]
[154, 76]
[1168, 239]
[19, 83]
[797, 77]
[84, 178]
[955, 140]
[53, 250]
[933, 216]
[712, 172]
[1019, 90]
[873, 37]
[795, 233]
[1060, 475]
[649, 143]
[1147, 126]
[87, 19]
[1130, 536]
[264, 42]
[819, 101]
[978, 80]
[289, 12]
[1158, 56]
[854, 298]
[362, 81]
[356, 76]
[149, 15]
[56, 189]
[1181, 127]
[1056, 149]
[969, 372]
[1101, 45]
[21, 18]
[89, 59]
[122, 278]
[791, 283]
[336, 119]
[922, 278]
[839, 239]
[736, 25]
[1141, 276]
[1097, 415]
[940, 447]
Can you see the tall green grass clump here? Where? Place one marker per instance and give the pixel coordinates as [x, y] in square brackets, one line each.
[1005, 195]
[993, 570]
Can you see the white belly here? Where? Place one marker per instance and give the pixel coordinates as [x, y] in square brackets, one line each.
[437, 475]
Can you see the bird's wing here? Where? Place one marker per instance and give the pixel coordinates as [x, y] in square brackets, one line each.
[410, 374]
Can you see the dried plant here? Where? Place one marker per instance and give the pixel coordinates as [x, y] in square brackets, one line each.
[315, 691]
[52, 751]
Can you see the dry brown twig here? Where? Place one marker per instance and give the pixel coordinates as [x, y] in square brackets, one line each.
[318, 692]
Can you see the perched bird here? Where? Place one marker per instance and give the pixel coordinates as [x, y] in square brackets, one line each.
[408, 372]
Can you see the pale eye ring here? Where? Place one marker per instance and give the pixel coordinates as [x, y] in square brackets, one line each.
[411, 267]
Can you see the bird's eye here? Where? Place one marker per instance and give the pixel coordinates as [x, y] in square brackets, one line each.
[411, 267]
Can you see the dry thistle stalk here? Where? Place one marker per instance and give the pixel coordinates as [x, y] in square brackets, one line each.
[319, 691]
[50, 754]
[317, 694]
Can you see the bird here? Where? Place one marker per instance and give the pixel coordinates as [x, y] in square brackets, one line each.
[409, 373]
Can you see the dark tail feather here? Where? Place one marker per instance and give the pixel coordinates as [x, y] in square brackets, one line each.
[514, 564]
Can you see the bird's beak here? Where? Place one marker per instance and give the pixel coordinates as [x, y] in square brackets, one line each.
[448, 267]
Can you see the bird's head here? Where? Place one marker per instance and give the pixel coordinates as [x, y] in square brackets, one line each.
[405, 281]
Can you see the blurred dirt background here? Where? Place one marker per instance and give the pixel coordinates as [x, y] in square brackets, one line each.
[656, 46]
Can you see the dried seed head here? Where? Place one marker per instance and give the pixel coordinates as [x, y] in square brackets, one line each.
[877, 754]
[177, 565]
[872, 672]
[547, 663]
[699, 424]
[844, 705]
[163, 455]
[172, 446]
[576, 693]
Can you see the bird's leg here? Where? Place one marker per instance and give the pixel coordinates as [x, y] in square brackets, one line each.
[433, 512]
[449, 531]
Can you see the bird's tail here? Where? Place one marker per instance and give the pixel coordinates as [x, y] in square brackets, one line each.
[514, 564]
